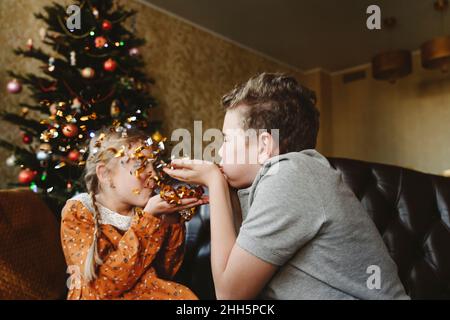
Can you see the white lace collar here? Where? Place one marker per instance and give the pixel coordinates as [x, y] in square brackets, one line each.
[107, 216]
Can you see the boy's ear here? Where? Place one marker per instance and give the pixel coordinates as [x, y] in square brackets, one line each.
[267, 147]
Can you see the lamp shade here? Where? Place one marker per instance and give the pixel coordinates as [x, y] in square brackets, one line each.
[436, 53]
[392, 65]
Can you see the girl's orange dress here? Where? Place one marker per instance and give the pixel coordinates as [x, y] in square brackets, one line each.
[137, 253]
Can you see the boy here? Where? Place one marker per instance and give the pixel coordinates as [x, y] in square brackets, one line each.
[304, 234]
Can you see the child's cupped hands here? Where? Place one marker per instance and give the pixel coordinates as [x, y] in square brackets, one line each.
[157, 206]
[194, 171]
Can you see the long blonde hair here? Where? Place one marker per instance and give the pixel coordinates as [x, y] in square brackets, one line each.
[103, 148]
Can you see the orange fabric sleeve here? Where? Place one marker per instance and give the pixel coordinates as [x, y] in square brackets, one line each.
[171, 255]
[122, 264]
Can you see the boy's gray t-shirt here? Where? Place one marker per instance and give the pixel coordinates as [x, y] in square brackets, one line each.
[300, 216]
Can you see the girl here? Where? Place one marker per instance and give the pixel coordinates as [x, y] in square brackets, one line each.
[113, 249]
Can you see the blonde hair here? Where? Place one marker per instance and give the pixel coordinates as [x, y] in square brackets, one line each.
[103, 148]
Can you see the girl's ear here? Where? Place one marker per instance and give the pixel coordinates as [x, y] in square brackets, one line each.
[102, 173]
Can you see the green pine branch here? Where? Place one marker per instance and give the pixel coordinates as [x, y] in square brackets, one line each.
[34, 107]
[28, 125]
[23, 155]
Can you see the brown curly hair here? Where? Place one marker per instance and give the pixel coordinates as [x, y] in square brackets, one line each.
[278, 101]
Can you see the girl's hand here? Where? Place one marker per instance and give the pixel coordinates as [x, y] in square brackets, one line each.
[158, 206]
[194, 171]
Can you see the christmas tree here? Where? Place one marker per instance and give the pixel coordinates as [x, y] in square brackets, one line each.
[91, 77]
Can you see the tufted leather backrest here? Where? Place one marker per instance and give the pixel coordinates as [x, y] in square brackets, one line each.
[410, 209]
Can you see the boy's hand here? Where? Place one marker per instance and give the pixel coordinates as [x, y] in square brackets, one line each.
[194, 171]
[157, 206]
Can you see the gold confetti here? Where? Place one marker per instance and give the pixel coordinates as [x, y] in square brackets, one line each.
[138, 172]
[46, 135]
[169, 194]
[120, 153]
[98, 142]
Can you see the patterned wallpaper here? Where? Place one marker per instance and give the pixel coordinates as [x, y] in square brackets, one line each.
[192, 68]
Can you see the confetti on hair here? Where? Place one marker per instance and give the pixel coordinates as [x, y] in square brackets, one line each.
[98, 142]
[120, 153]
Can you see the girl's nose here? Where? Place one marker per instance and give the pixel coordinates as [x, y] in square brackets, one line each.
[149, 182]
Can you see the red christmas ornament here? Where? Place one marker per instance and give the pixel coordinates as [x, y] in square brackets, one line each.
[100, 42]
[26, 176]
[26, 138]
[110, 65]
[70, 130]
[106, 25]
[73, 155]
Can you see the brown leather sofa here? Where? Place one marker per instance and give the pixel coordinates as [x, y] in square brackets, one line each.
[411, 210]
